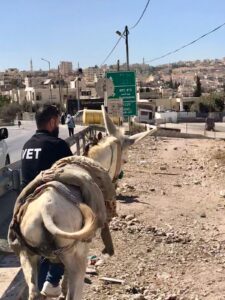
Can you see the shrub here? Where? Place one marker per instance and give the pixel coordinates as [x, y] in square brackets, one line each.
[8, 112]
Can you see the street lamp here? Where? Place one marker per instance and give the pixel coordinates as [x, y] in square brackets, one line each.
[125, 36]
[50, 88]
[79, 77]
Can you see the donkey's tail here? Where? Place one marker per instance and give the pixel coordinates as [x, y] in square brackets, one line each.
[85, 233]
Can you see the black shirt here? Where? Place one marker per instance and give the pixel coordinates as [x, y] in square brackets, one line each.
[40, 152]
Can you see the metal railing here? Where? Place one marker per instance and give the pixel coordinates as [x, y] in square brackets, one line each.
[10, 176]
[198, 129]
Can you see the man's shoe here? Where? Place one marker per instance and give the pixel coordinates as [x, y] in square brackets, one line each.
[49, 290]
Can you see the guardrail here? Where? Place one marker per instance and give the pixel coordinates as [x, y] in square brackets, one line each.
[79, 139]
[10, 176]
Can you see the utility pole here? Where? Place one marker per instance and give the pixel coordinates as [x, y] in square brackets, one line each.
[79, 84]
[50, 86]
[60, 94]
[105, 95]
[126, 32]
[78, 94]
[125, 36]
[118, 65]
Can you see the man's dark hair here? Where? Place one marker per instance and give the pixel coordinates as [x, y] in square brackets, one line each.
[44, 115]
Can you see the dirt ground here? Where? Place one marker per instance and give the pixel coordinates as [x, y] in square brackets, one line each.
[169, 235]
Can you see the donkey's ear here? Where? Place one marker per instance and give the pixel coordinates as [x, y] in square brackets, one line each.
[139, 136]
[109, 125]
[128, 141]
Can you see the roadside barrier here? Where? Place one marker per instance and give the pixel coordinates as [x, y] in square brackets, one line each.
[10, 176]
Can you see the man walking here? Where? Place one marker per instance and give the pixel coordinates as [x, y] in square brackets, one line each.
[70, 123]
[39, 153]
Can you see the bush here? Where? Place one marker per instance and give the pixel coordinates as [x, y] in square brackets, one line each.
[194, 107]
[212, 103]
[27, 106]
[8, 112]
[4, 100]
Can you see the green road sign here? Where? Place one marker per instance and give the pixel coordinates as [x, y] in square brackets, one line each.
[124, 88]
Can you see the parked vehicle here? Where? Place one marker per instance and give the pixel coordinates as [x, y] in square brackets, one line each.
[4, 154]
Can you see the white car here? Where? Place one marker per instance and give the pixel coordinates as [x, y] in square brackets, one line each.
[4, 154]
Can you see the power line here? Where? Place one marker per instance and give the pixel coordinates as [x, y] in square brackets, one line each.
[123, 33]
[111, 51]
[186, 45]
[141, 15]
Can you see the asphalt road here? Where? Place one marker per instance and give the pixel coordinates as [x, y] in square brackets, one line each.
[18, 137]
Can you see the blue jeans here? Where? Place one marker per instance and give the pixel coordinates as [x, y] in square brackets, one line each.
[49, 272]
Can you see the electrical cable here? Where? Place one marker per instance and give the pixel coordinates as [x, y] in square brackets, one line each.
[111, 50]
[123, 33]
[186, 45]
[140, 16]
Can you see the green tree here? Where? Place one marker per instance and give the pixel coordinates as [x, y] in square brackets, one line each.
[8, 112]
[198, 89]
[194, 107]
[176, 85]
[27, 106]
[4, 100]
[212, 103]
[170, 83]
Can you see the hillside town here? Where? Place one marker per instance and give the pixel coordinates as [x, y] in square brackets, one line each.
[112, 150]
[185, 86]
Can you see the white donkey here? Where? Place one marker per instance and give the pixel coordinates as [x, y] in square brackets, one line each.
[54, 222]
[58, 220]
[112, 151]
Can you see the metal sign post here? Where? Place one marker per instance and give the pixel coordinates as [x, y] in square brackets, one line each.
[104, 88]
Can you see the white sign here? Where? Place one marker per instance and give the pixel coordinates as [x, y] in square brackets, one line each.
[104, 85]
[115, 107]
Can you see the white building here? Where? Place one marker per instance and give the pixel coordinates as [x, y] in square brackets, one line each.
[42, 95]
[166, 117]
[92, 74]
[65, 67]
[83, 90]
[49, 91]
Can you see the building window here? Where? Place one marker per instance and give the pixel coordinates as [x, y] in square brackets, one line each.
[38, 97]
[85, 93]
[144, 113]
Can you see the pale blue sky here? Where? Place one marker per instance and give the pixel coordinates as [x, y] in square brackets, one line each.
[84, 31]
